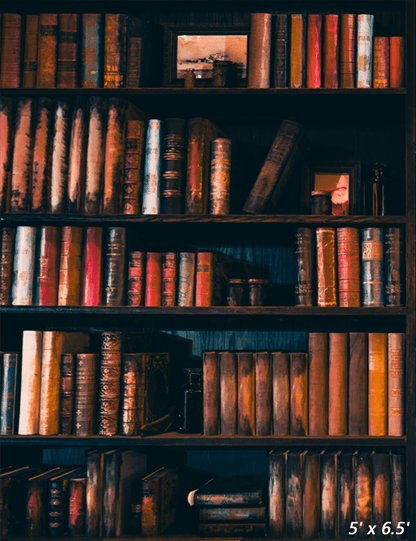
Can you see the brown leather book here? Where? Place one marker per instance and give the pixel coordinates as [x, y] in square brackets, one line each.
[134, 60]
[246, 394]
[60, 154]
[357, 385]
[294, 490]
[331, 51]
[397, 61]
[6, 264]
[211, 393]
[169, 279]
[381, 65]
[67, 393]
[347, 50]
[47, 271]
[159, 501]
[115, 264]
[173, 166]
[329, 494]
[281, 48]
[69, 290]
[380, 462]
[305, 288]
[92, 267]
[136, 278]
[228, 393]
[133, 166]
[264, 397]
[345, 480]
[7, 111]
[377, 384]
[115, 50]
[68, 50]
[326, 266]
[42, 155]
[396, 389]
[298, 394]
[311, 495]
[297, 51]
[133, 374]
[30, 55]
[277, 496]
[259, 49]
[220, 176]
[314, 51]
[318, 383]
[338, 384]
[398, 489]
[86, 394]
[109, 383]
[348, 257]
[47, 50]
[281, 393]
[77, 156]
[11, 50]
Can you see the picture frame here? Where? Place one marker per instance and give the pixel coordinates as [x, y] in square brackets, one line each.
[204, 44]
[341, 175]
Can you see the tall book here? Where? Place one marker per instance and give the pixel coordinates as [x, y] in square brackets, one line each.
[228, 393]
[281, 51]
[212, 272]
[173, 166]
[152, 167]
[380, 464]
[91, 50]
[377, 384]
[365, 30]
[24, 265]
[133, 166]
[398, 489]
[232, 491]
[36, 503]
[9, 397]
[338, 384]
[47, 266]
[30, 383]
[396, 350]
[7, 111]
[281, 393]
[159, 501]
[67, 393]
[115, 266]
[30, 54]
[115, 32]
[77, 156]
[394, 266]
[318, 357]
[358, 384]
[77, 505]
[58, 502]
[47, 50]
[264, 393]
[277, 493]
[246, 394]
[345, 493]
[136, 278]
[297, 51]
[381, 64]
[68, 50]
[348, 259]
[11, 44]
[60, 155]
[92, 267]
[6, 264]
[314, 51]
[70, 266]
[397, 61]
[298, 394]
[259, 50]
[311, 497]
[326, 266]
[153, 290]
[186, 279]
[330, 51]
[305, 266]
[294, 491]
[109, 383]
[85, 394]
[329, 494]
[94, 494]
[211, 393]
[169, 278]
[347, 50]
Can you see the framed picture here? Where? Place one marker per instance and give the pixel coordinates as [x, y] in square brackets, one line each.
[196, 47]
[341, 178]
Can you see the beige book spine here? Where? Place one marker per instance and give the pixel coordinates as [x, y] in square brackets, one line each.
[30, 383]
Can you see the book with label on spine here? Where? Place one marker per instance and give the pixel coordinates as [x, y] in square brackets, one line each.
[24, 265]
[329, 493]
[297, 51]
[318, 357]
[60, 155]
[326, 266]
[246, 394]
[211, 393]
[136, 278]
[338, 384]
[228, 393]
[358, 384]
[67, 393]
[47, 266]
[169, 278]
[345, 482]
[259, 50]
[47, 50]
[298, 394]
[30, 382]
[397, 55]
[115, 266]
[365, 30]
[6, 264]
[311, 497]
[381, 64]
[377, 384]
[77, 505]
[277, 493]
[92, 267]
[30, 54]
[347, 50]
[91, 50]
[152, 167]
[7, 111]
[186, 279]
[153, 288]
[77, 157]
[396, 350]
[348, 259]
[85, 409]
[281, 393]
[330, 51]
[70, 266]
[281, 51]
[115, 32]
[314, 51]
[67, 50]
[173, 166]
[394, 266]
[263, 394]
[9, 397]
[133, 166]
[11, 44]
[232, 491]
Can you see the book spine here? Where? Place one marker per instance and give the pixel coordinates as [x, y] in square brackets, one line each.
[348, 252]
[94, 177]
[357, 385]
[397, 55]
[396, 390]
[55, 508]
[228, 393]
[134, 61]
[398, 490]
[9, 390]
[31, 52]
[281, 392]
[365, 29]
[6, 264]
[115, 263]
[259, 50]
[338, 384]
[263, 394]
[277, 500]
[69, 289]
[305, 266]
[220, 177]
[197, 165]
[77, 505]
[211, 393]
[109, 386]
[115, 50]
[92, 279]
[314, 51]
[67, 393]
[35, 509]
[326, 266]
[381, 491]
[297, 52]
[204, 279]
[377, 384]
[11, 50]
[136, 278]
[30, 383]
[85, 394]
[7, 110]
[173, 166]
[91, 70]
[24, 266]
[298, 394]
[328, 496]
[345, 481]
[46, 283]
[318, 383]
[294, 489]
[60, 154]
[111, 493]
[347, 50]
[93, 495]
[224, 514]
[186, 280]
[331, 51]
[52, 345]
[152, 168]
[22, 155]
[246, 395]
[151, 509]
[67, 50]
[133, 166]
[77, 155]
[239, 529]
[311, 496]
[394, 265]
[280, 51]
[169, 279]
[381, 65]
[153, 292]
[372, 251]
[132, 410]
[47, 50]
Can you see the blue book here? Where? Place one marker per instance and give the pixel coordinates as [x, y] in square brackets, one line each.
[9, 387]
[365, 31]
[91, 70]
[23, 266]
[152, 168]
[372, 249]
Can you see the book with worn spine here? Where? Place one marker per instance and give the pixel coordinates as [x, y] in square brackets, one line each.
[228, 393]
[326, 266]
[47, 266]
[396, 350]
[281, 393]
[211, 393]
[263, 393]
[347, 56]
[30, 55]
[365, 31]
[9, 396]
[60, 156]
[358, 384]
[232, 491]
[58, 502]
[330, 51]
[152, 167]
[85, 409]
[298, 394]
[394, 266]
[318, 357]
[246, 394]
[91, 50]
[314, 51]
[297, 50]
[377, 384]
[280, 73]
[259, 50]
[186, 279]
[136, 278]
[159, 501]
[11, 50]
[133, 166]
[153, 290]
[67, 393]
[311, 497]
[115, 266]
[24, 265]
[47, 51]
[6, 264]
[30, 382]
[7, 112]
[77, 157]
[115, 32]
[70, 266]
[77, 505]
[92, 267]
[277, 492]
[329, 494]
[173, 166]
[67, 50]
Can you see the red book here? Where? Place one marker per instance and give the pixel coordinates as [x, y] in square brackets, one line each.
[381, 69]
[11, 45]
[153, 295]
[314, 51]
[318, 383]
[347, 50]
[67, 51]
[397, 62]
[136, 278]
[47, 50]
[92, 280]
[47, 276]
[170, 279]
[331, 51]
[212, 272]
[348, 252]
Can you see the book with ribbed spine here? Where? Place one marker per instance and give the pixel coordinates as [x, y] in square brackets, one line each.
[136, 278]
[305, 266]
[380, 464]
[211, 393]
[173, 166]
[7, 110]
[6, 264]
[109, 383]
[92, 267]
[77, 505]
[345, 492]
[281, 51]
[67, 393]
[77, 156]
[115, 32]
[381, 64]
[85, 394]
[326, 266]
[11, 50]
[91, 51]
[70, 266]
[152, 167]
[263, 394]
[133, 166]
[294, 490]
[9, 397]
[30, 54]
[314, 51]
[311, 494]
[357, 384]
[186, 279]
[259, 50]
[246, 394]
[396, 350]
[60, 155]
[153, 287]
[397, 55]
[347, 50]
[330, 51]
[377, 384]
[47, 266]
[298, 394]
[24, 265]
[30, 382]
[365, 30]
[94, 176]
[329, 494]
[277, 493]
[281, 392]
[297, 51]
[67, 50]
[47, 50]
[318, 357]
[169, 278]
[394, 266]
[115, 264]
[348, 259]
[58, 502]
[338, 384]
[228, 374]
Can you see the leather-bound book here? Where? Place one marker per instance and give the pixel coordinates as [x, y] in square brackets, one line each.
[60, 155]
[30, 54]
[67, 393]
[30, 383]
[6, 264]
[9, 397]
[186, 279]
[281, 51]
[136, 29]
[347, 49]
[58, 502]
[357, 385]
[338, 384]
[7, 110]
[259, 50]
[94, 493]
[115, 266]
[397, 489]
[24, 265]
[314, 51]
[365, 30]
[47, 266]
[211, 393]
[331, 51]
[228, 393]
[220, 176]
[115, 50]
[22, 155]
[348, 258]
[263, 395]
[132, 384]
[92, 268]
[396, 390]
[377, 384]
[232, 491]
[77, 505]
[173, 166]
[281, 393]
[294, 490]
[246, 394]
[212, 272]
[381, 64]
[47, 50]
[152, 167]
[68, 50]
[297, 51]
[380, 463]
[305, 265]
[298, 394]
[77, 156]
[311, 494]
[394, 266]
[136, 278]
[318, 383]
[133, 166]
[91, 50]
[94, 177]
[397, 61]
[169, 278]
[86, 394]
[70, 266]
[109, 383]
[232, 515]
[277, 493]
[329, 494]
[37, 503]
[42, 154]
[226, 529]
[153, 289]
[345, 493]
[159, 501]
[11, 46]
[268, 183]
[326, 266]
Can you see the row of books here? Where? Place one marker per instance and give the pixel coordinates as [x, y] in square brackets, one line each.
[68, 50]
[348, 268]
[328, 51]
[348, 383]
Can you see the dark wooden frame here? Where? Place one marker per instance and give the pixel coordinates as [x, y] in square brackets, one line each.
[353, 167]
[170, 49]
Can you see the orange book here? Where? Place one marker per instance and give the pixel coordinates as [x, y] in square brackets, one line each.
[69, 291]
[318, 383]
[381, 69]
[228, 393]
[326, 266]
[246, 395]
[297, 52]
[211, 393]
[396, 62]
[281, 393]
[264, 386]
[153, 288]
[298, 394]
[377, 384]
[31, 52]
[338, 384]
[7, 109]
[396, 359]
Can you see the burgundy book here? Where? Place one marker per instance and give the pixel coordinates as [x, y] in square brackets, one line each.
[228, 393]
[263, 395]
[347, 50]
[311, 495]
[67, 393]
[77, 156]
[47, 50]
[318, 384]
[338, 384]
[109, 383]
[211, 393]
[397, 61]
[6, 264]
[281, 393]
[169, 279]
[153, 290]
[115, 265]
[281, 47]
[314, 51]
[68, 50]
[47, 273]
[298, 394]
[30, 55]
[133, 166]
[77, 505]
[357, 385]
[396, 389]
[246, 394]
[92, 267]
[11, 48]
[136, 278]
[381, 64]
[86, 394]
[7, 111]
[331, 51]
